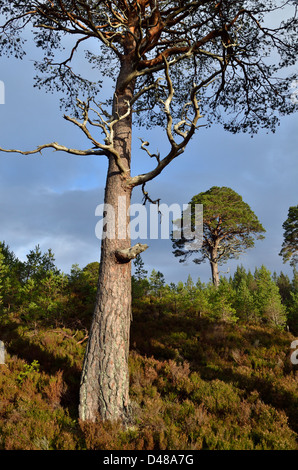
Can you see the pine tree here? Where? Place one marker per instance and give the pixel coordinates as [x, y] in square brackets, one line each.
[140, 284]
[11, 274]
[140, 273]
[239, 276]
[244, 301]
[284, 285]
[38, 264]
[230, 227]
[268, 300]
[171, 63]
[221, 299]
[156, 283]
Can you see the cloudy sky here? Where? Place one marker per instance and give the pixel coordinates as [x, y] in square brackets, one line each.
[51, 199]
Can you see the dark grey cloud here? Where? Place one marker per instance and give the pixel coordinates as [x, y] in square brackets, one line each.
[64, 222]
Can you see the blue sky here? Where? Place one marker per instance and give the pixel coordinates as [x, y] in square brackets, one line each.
[51, 199]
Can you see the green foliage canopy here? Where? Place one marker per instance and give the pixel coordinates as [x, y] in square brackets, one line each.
[230, 227]
[225, 45]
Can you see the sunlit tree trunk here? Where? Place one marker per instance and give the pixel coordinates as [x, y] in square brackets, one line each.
[104, 389]
[214, 267]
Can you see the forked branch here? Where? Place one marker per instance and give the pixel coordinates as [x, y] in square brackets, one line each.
[106, 123]
[185, 129]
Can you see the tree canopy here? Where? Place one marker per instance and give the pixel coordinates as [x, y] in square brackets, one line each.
[230, 46]
[230, 227]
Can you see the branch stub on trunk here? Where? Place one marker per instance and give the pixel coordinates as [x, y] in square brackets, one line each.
[124, 256]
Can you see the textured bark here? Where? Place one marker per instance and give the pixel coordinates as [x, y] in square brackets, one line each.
[104, 388]
[215, 274]
[214, 265]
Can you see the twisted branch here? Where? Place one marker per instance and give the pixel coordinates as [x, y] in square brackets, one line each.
[56, 147]
[185, 128]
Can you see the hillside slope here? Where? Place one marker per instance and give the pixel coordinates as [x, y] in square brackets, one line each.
[195, 384]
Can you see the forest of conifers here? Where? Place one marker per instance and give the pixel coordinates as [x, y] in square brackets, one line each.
[210, 368]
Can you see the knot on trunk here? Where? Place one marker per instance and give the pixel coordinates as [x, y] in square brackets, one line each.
[124, 256]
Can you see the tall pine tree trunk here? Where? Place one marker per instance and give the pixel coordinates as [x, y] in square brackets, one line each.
[214, 264]
[104, 388]
[215, 273]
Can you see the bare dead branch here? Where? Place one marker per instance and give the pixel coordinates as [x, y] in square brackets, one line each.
[176, 148]
[107, 127]
[151, 155]
[147, 198]
[56, 147]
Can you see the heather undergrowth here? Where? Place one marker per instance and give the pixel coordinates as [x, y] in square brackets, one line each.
[194, 385]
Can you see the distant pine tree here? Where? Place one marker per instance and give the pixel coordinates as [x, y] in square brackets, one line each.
[230, 227]
[267, 299]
